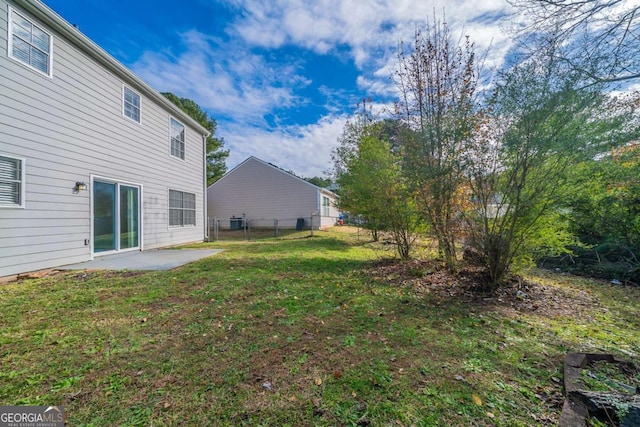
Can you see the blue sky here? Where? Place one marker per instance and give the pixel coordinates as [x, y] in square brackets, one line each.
[280, 77]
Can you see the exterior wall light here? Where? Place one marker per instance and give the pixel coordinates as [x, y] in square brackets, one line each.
[81, 186]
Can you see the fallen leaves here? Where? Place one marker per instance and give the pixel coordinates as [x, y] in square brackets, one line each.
[517, 295]
[476, 399]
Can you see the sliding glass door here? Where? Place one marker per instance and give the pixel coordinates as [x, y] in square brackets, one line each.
[128, 217]
[116, 216]
[104, 216]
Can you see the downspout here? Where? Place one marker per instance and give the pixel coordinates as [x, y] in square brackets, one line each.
[204, 184]
[319, 210]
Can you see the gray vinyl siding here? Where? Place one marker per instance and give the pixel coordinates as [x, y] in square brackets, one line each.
[69, 128]
[263, 193]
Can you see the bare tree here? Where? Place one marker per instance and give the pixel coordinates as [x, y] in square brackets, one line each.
[437, 82]
[599, 37]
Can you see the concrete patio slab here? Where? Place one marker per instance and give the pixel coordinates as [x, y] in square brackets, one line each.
[155, 259]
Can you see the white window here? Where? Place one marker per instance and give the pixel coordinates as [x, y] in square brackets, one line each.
[11, 182]
[29, 44]
[325, 206]
[177, 139]
[182, 208]
[131, 104]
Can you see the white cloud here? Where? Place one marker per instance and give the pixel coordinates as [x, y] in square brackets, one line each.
[371, 30]
[226, 79]
[305, 150]
[363, 26]
[240, 84]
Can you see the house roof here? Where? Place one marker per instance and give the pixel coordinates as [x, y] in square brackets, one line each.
[82, 42]
[271, 165]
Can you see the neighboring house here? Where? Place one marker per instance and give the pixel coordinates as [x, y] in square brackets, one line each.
[261, 193]
[92, 160]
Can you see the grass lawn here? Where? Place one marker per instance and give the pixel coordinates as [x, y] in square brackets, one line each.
[302, 331]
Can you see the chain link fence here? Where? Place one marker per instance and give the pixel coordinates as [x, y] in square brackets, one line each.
[244, 228]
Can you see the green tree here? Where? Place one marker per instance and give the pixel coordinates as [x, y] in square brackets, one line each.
[319, 181]
[216, 154]
[346, 153]
[604, 206]
[372, 186]
[542, 122]
[603, 210]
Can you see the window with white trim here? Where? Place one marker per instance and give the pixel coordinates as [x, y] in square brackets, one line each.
[177, 139]
[11, 182]
[131, 104]
[29, 44]
[182, 208]
[325, 206]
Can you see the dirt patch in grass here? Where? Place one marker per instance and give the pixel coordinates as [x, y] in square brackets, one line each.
[431, 279]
